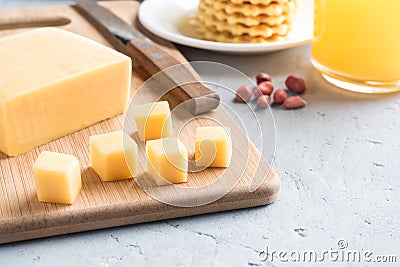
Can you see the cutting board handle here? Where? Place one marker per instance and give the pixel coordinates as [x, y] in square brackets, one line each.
[30, 22]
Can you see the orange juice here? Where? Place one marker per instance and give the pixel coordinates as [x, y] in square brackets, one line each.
[358, 39]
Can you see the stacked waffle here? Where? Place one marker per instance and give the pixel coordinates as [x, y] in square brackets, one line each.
[245, 21]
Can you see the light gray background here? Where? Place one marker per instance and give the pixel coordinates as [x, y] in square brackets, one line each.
[338, 160]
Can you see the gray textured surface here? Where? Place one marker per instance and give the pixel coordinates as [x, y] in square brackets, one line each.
[339, 162]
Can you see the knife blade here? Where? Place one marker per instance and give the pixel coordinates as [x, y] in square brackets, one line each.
[150, 56]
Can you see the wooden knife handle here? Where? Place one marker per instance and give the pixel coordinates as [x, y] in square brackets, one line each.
[154, 59]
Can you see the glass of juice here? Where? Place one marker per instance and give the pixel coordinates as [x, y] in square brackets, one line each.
[356, 44]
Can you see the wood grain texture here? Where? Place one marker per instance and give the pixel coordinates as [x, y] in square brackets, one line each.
[102, 205]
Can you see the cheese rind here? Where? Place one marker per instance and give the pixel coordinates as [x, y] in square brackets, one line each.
[213, 146]
[58, 177]
[113, 156]
[54, 83]
[167, 160]
[153, 120]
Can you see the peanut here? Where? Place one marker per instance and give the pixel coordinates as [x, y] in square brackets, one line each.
[280, 96]
[296, 84]
[294, 102]
[264, 88]
[257, 92]
[243, 93]
[263, 101]
[262, 77]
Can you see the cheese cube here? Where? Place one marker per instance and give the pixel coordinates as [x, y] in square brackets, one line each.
[213, 146]
[54, 83]
[153, 120]
[167, 160]
[58, 177]
[113, 156]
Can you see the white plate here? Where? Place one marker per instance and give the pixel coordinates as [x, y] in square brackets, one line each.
[161, 17]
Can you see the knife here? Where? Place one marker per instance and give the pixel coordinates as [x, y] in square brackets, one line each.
[150, 56]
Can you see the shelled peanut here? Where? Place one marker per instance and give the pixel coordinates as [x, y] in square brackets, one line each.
[265, 89]
[243, 94]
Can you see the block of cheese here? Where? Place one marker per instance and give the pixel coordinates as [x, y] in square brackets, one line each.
[167, 160]
[213, 146]
[58, 177]
[113, 156]
[54, 83]
[153, 120]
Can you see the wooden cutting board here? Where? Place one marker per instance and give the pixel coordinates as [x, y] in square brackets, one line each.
[102, 205]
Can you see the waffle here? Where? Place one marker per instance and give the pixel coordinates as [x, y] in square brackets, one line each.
[262, 30]
[226, 37]
[248, 9]
[204, 10]
[256, 2]
[245, 21]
